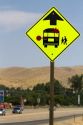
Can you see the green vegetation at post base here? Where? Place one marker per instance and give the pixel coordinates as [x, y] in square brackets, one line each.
[39, 95]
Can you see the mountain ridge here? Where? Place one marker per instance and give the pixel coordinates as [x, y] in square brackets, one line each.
[29, 77]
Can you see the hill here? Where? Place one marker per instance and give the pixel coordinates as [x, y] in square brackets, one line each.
[28, 77]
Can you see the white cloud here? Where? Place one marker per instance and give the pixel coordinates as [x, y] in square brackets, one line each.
[13, 20]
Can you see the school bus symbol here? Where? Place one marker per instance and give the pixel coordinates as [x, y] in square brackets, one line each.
[51, 37]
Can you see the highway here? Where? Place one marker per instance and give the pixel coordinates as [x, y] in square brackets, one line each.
[40, 122]
[38, 116]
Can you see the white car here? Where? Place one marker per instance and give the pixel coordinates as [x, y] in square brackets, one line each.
[2, 111]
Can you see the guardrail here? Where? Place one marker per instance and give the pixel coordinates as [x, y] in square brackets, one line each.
[58, 119]
[45, 121]
[71, 116]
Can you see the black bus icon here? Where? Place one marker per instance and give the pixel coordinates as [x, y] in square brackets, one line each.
[51, 37]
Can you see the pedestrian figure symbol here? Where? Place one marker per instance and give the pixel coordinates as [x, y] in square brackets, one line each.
[64, 40]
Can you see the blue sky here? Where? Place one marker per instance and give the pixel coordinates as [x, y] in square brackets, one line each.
[17, 16]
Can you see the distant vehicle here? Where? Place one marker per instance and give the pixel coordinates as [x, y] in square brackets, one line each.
[2, 111]
[5, 105]
[20, 106]
[2, 106]
[17, 110]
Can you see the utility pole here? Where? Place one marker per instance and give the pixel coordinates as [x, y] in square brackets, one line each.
[51, 112]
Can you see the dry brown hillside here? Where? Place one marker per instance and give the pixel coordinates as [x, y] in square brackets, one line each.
[28, 77]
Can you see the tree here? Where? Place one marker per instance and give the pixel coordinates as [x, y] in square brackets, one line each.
[76, 83]
[58, 88]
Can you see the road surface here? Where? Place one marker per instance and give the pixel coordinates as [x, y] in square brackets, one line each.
[38, 116]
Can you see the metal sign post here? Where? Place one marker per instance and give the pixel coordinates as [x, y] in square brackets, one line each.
[79, 100]
[51, 112]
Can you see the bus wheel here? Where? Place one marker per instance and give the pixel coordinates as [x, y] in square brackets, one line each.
[45, 45]
[56, 46]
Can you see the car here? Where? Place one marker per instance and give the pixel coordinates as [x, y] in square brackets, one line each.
[20, 106]
[2, 111]
[17, 110]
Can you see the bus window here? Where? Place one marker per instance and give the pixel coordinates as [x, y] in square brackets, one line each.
[45, 34]
[56, 35]
[50, 34]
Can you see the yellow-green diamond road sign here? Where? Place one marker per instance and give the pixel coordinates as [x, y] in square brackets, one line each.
[52, 34]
